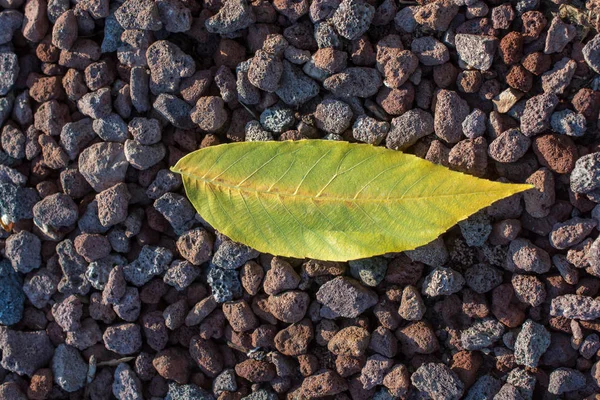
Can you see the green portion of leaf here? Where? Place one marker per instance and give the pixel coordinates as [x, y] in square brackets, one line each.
[330, 200]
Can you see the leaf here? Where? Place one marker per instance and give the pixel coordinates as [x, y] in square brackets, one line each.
[330, 200]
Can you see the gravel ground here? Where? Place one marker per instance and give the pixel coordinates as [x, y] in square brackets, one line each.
[111, 286]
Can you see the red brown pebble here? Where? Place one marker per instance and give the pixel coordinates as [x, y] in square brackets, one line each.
[350, 341]
[240, 316]
[404, 271]
[466, 364]
[534, 23]
[417, 338]
[172, 364]
[41, 384]
[326, 383]
[308, 363]
[280, 277]
[397, 380]
[587, 102]
[537, 63]
[290, 306]
[511, 48]
[256, 371]
[347, 366]
[207, 355]
[507, 313]
[519, 78]
[294, 339]
[251, 276]
[556, 152]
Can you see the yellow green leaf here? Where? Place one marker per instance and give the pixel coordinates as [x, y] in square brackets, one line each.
[330, 200]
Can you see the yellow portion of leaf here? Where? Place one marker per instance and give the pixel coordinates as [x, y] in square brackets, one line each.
[330, 200]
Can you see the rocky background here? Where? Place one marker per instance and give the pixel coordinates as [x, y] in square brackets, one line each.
[111, 286]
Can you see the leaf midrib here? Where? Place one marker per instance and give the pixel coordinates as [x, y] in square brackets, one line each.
[249, 190]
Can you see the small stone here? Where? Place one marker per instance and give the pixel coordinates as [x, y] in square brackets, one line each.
[354, 82]
[325, 383]
[224, 284]
[542, 197]
[69, 368]
[570, 233]
[295, 339]
[564, 380]
[290, 306]
[233, 16]
[111, 128]
[123, 339]
[532, 342]
[64, 32]
[408, 128]
[209, 113]
[575, 307]
[225, 382]
[251, 276]
[281, 276]
[555, 152]
[412, 307]
[482, 278]
[265, 71]
[374, 371]
[195, 246]
[474, 124]
[96, 104]
[476, 50]
[450, 112]
[139, 14]
[558, 79]
[277, 119]
[23, 249]
[128, 306]
[151, 261]
[174, 110]
[417, 338]
[126, 384]
[591, 53]
[351, 341]
[370, 271]
[344, 297]
[442, 281]
[240, 316]
[482, 334]
[476, 229]
[559, 35]
[529, 289]
[103, 165]
[9, 70]
[438, 381]
[566, 122]
[430, 51]
[369, 130]
[41, 384]
[143, 157]
[200, 311]
[168, 65]
[295, 88]
[510, 146]
[537, 113]
[333, 116]
[176, 209]
[527, 257]
[16, 360]
[436, 16]
[232, 255]
[145, 131]
[352, 18]
[67, 313]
